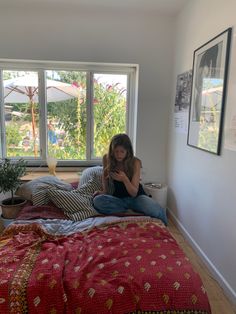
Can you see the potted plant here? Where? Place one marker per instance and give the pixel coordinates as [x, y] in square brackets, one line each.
[10, 174]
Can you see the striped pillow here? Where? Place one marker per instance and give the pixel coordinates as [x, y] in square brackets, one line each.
[40, 195]
[94, 173]
[40, 192]
[77, 204]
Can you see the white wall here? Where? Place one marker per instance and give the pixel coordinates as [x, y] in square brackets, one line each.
[51, 30]
[202, 186]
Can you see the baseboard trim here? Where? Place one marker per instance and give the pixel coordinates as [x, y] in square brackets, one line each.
[229, 291]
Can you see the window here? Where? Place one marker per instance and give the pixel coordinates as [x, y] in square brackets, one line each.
[65, 110]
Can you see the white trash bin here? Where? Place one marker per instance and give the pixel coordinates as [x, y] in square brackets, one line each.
[157, 191]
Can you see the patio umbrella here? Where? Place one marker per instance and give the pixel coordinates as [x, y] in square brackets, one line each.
[24, 89]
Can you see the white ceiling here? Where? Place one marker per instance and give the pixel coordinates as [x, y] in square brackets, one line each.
[162, 7]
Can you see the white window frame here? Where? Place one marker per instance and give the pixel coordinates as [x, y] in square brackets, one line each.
[132, 70]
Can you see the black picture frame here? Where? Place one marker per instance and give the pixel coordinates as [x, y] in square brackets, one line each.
[208, 94]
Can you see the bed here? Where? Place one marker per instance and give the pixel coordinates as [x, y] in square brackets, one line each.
[130, 264]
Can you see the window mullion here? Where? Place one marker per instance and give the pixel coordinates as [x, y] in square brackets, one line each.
[132, 112]
[2, 119]
[89, 113]
[43, 115]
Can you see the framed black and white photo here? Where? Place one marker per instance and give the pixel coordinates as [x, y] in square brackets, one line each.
[210, 69]
[182, 102]
[183, 91]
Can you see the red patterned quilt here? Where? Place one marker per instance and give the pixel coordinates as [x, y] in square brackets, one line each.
[131, 266]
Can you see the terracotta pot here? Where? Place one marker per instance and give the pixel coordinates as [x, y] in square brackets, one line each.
[6, 222]
[10, 211]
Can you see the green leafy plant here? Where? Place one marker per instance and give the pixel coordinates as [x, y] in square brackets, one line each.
[10, 174]
[13, 134]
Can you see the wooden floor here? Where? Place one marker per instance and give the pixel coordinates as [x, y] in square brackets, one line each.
[218, 301]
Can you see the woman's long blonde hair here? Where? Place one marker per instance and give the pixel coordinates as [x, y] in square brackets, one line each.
[123, 140]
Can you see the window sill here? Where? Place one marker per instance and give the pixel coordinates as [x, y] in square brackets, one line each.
[68, 176]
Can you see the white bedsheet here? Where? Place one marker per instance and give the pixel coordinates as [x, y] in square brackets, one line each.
[65, 227]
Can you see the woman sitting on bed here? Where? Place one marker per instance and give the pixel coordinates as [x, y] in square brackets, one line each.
[121, 173]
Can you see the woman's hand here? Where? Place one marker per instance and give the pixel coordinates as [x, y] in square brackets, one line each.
[96, 193]
[119, 176]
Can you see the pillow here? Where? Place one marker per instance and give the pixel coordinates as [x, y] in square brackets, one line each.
[77, 204]
[40, 194]
[36, 189]
[92, 173]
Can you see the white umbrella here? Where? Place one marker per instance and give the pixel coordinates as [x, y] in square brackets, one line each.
[24, 89]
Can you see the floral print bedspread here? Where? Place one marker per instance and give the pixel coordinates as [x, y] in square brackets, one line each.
[129, 266]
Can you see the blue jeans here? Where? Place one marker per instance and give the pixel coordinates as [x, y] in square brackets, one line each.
[108, 204]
